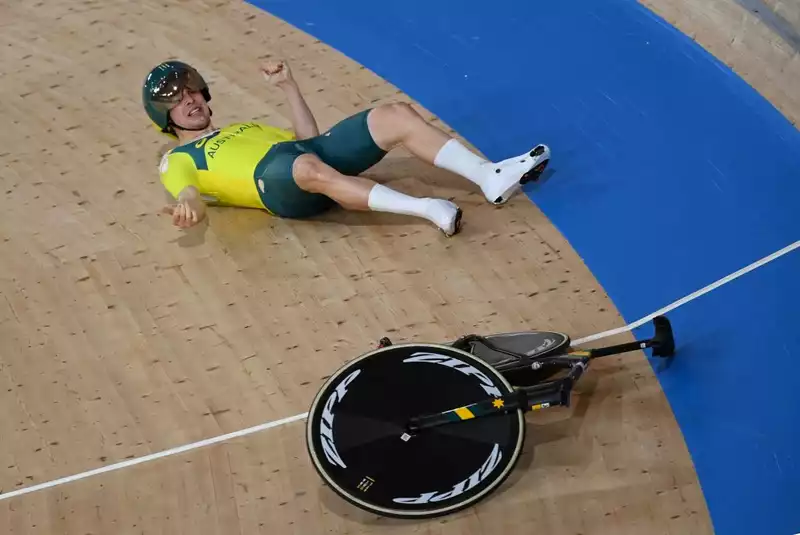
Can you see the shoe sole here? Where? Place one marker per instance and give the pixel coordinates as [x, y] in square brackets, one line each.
[530, 176]
[456, 225]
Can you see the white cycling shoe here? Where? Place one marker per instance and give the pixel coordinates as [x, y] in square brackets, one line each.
[445, 215]
[505, 178]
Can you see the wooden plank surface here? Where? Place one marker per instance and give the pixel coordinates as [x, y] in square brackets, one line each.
[122, 336]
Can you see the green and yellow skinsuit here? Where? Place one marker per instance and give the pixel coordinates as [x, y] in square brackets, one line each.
[250, 165]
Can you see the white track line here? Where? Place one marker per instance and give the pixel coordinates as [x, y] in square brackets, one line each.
[153, 457]
[296, 417]
[713, 286]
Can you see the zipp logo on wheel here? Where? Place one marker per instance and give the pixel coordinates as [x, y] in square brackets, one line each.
[461, 366]
[477, 477]
[363, 437]
[326, 423]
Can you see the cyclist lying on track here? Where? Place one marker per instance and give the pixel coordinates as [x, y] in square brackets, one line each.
[304, 173]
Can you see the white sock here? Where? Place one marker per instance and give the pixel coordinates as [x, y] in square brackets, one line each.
[383, 199]
[457, 158]
[442, 213]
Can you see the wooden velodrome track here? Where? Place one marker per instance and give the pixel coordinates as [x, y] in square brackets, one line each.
[121, 336]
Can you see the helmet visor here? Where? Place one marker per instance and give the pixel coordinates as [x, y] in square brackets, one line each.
[166, 89]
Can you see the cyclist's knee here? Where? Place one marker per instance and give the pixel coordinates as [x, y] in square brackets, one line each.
[310, 173]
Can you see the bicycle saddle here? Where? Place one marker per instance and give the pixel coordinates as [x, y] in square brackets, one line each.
[530, 345]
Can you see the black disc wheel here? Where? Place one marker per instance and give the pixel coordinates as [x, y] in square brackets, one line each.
[359, 441]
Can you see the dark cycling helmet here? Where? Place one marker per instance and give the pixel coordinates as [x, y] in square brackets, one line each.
[163, 89]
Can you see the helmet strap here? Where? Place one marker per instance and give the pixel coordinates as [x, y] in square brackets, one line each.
[172, 125]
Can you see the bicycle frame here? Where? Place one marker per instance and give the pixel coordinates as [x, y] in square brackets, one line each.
[547, 394]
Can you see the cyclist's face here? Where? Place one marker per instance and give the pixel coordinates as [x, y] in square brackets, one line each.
[192, 112]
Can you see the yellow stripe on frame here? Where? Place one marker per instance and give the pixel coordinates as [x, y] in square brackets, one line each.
[464, 413]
